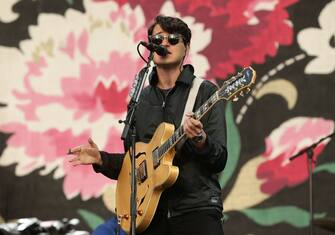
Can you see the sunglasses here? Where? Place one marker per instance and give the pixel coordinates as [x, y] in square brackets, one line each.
[173, 38]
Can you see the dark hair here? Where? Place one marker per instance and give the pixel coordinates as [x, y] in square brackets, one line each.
[172, 25]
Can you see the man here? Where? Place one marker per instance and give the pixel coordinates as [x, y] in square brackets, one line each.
[193, 205]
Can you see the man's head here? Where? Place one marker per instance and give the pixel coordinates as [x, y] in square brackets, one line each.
[172, 25]
[172, 33]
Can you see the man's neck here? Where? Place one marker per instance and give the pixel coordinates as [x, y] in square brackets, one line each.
[167, 77]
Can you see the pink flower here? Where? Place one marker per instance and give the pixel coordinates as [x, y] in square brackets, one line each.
[71, 82]
[292, 136]
[244, 32]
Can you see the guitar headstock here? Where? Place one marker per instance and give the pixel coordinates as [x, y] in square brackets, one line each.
[238, 84]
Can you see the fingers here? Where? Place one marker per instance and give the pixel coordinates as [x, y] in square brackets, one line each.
[189, 115]
[75, 150]
[192, 127]
[192, 131]
[75, 162]
[80, 159]
[92, 144]
[74, 159]
[195, 124]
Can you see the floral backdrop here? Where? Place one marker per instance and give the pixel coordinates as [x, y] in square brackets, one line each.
[66, 70]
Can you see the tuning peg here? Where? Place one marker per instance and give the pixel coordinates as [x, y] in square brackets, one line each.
[247, 90]
[140, 212]
[241, 93]
[235, 98]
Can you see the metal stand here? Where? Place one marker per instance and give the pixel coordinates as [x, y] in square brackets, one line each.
[130, 127]
[310, 153]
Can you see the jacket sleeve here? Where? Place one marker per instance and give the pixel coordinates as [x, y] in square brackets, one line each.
[214, 154]
[111, 164]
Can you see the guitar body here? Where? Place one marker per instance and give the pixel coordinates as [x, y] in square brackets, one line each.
[151, 185]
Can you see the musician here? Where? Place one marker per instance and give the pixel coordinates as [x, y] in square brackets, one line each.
[193, 205]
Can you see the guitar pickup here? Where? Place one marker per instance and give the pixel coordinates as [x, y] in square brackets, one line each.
[142, 172]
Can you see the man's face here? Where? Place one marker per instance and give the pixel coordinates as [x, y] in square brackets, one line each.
[176, 52]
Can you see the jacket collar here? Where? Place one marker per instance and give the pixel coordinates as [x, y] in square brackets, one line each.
[186, 77]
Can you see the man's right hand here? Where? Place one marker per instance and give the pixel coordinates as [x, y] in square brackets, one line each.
[85, 154]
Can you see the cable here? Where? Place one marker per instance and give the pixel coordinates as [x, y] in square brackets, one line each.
[138, 51]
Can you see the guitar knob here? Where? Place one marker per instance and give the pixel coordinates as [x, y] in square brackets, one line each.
[125, 216]
[140, 212]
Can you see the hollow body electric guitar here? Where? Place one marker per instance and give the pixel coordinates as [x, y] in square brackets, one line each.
[154, 169]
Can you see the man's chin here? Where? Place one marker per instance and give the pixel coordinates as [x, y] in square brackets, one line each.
[167, 65]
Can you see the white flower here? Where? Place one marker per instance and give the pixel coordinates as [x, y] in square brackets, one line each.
[203, 36]
[320, 42]
[70, 80]
[6, 13]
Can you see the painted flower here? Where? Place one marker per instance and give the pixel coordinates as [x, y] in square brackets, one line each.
[267, 174]
[6, 13]
[68, 78]
[291, 137]
[320, 42]
[244, 32]
[70, 81]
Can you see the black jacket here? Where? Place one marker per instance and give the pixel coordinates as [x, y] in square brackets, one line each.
[197, 186]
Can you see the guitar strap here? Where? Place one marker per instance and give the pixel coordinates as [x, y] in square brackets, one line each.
[192, 95]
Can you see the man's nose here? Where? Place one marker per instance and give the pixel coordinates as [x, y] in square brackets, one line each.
[165, 42]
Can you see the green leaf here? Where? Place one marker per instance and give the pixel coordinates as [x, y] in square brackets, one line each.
[233, 146]
[292, 215]
[329, 167]
[90, 218]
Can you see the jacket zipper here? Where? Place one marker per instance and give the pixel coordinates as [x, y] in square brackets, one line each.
[164, 97]
[168, 214]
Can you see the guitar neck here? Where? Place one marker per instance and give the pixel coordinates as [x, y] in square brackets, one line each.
[179, 134]
[229, 90]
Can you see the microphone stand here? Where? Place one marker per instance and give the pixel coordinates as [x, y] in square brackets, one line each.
[130, 128]
[310, 153]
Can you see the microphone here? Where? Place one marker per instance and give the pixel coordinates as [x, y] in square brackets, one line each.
[159, 49]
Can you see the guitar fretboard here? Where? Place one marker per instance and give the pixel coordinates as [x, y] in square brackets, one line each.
[229, 88]
[179, 134]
